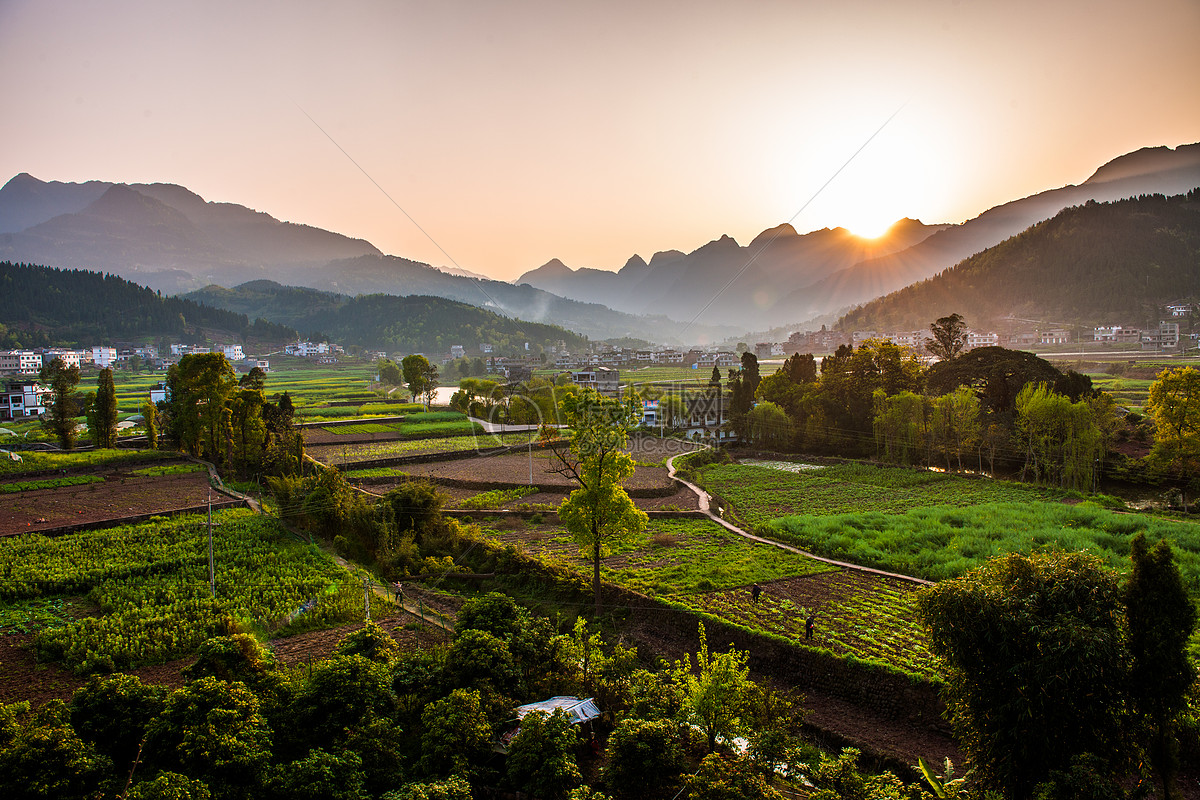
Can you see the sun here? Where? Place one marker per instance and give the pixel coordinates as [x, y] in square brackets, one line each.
[869, 225]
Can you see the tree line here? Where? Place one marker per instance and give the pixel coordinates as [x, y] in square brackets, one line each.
[46, 306]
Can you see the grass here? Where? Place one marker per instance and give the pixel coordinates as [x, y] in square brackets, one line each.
[496, 498]
[944, 542]
[673, 557]
[168, 469]
[49, 483]
[700, 566]
[760, 494]
[37, 461]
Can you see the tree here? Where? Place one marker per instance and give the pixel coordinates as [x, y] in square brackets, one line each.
[800, 368]
[644, 757]
[63, 407]
[199, 386]
[170, 786]
[452, 788]
[716, 692]
[541, 759]
[212, 730]
[768, 425]
[599, 514]
[750, 375]
[150, 421]
[949, 337]
[1160, 618]
[1035, 666]
[955, 425]
[102, 413]
[46, 758]
[1061, 439]
[457, 735]
[389, 373]
[320, 776]
[722, 776]
[372, 642]
[1175, 406]
[421, 377]
[113, 712]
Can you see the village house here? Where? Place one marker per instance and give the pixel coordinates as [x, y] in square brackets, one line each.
[104, 357]
[602, 379]
[20, 362]
[23, 399]
[977, 339]
[1164, 337]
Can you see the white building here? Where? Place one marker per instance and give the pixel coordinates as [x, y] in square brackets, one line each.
[233, 352]
[457, 351]
[1179, 309]
[23, 399]
[975, 339]
[602, 379]
[1164, 337]
[20, 362]
[70, 358]
[104, 357]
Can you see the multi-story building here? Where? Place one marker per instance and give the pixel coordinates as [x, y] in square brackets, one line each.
[20, 362]
[1164, 337]
[22, 399]
[104, 357]
[232, 352]
[976, 339]
[70, 358]
[602, 379]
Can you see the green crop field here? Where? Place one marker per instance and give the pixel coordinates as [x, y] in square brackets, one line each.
[760, 494]
[700, 566]
[148, 588]
[941, 542]
[37, 461]
[366, 451]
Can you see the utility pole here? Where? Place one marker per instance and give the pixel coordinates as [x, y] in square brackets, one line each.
[531, 460]
[212, 572]
[367, 597]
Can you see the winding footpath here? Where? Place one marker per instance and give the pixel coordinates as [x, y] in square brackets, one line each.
[706, 509]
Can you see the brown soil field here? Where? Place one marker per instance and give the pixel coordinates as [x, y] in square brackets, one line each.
[683, 499]
[513, 470]
[120, 495]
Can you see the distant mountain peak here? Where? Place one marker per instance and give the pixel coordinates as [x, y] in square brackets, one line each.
[634, 263]
[1146, 161]
[784, 231]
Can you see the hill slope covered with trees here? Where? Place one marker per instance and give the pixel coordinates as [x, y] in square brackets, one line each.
[1114, 263]
[414, 323]
[44, 306]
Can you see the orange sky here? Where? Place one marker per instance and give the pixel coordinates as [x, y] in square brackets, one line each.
[517, 132]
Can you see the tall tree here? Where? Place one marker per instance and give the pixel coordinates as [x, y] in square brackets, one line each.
[1160, 617]
[1175, 406]
[63, 407]
[150, 421]
[599, 515]
[1036, 666]
[199, 386]
[102, 416]
[801, 368]
[949, 337]
[421, 377]
[716, 693]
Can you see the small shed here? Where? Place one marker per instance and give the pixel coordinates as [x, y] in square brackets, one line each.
[580, 711]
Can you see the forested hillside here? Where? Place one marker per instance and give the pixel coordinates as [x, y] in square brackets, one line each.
[1100, 263]
[44, 306]
[415, 323]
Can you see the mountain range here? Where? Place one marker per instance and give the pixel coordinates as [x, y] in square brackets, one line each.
[1112, 263]
[782, 277]
[171, 239]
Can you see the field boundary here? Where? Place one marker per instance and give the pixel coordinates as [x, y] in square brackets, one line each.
[338, 421]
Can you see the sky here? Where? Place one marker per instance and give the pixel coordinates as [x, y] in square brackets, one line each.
[495, 136]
